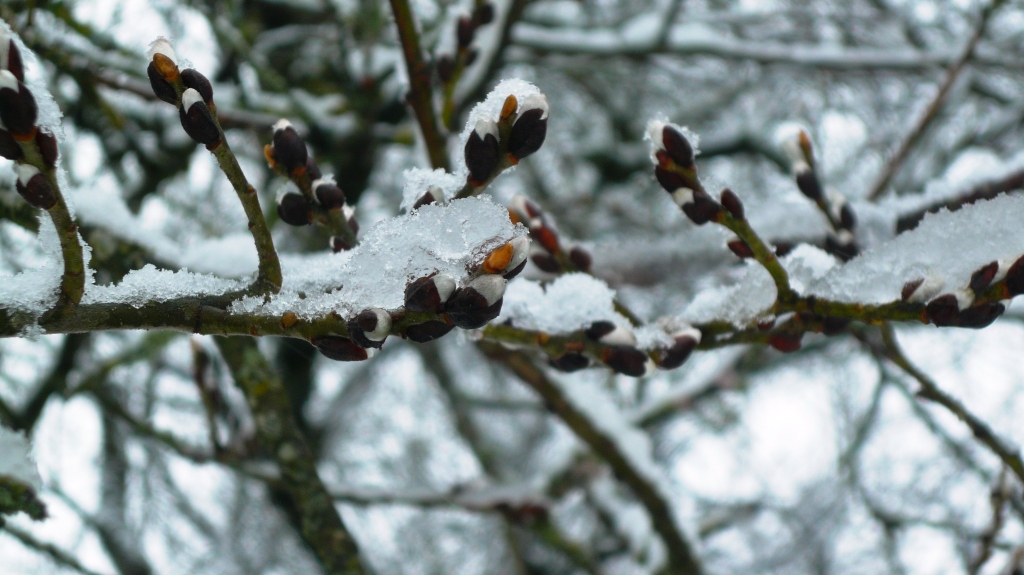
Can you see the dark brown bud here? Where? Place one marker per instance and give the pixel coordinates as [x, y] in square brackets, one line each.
[732, 203]
[312, 170]
[909, 288]
[427, 294]
[193, 79]
[13, 60]
[785, 342]
[426, 198]
[783, 248]
[677, 146]
[843, 248]
[530, 128]
[353, 224]
[847, 219]
[581, 258]
[196, 119]
[478, 303]
[289, 149]
[484, 14]
[338, 244]
[808, 183]
[18, 109]
[740, 248]
[34, 187]
[981, 315]
[599, 329]
[670, 181]
[702, 210]
[944, 310]
[678, 353]
[293, 208]
[545, 236]
[339, 348]
[625, 360]
[1015, 278]
[370, 328]
[427, 331]
[9, 147]
[47, 147]
[607, 333]
[545, 261]
[983, 277]
[445, 67]
[570, 362]
[481, 152]
[328, 194]
[161, 87]
[465, 32]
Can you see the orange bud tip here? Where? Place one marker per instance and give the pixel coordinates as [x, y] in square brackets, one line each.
[498, 259]
[509, 107]
[268, 153]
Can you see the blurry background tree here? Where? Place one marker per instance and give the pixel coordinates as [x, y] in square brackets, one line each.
[463, 455]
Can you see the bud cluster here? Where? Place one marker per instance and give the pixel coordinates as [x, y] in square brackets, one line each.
[547, 252]
[960, 308]
[494, 145]
[677, 173]
[187, 89]
[449, 67]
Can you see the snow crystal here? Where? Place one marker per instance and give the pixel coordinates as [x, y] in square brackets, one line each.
[149, 283]
[570, 303]
[16, 459]
[451, 239]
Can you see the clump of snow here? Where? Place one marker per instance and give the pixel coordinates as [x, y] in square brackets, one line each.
[149, 283]
[570, 303]
[419, 181]
[35, 290]
[451, 239]
[949, 245]
[16, 459]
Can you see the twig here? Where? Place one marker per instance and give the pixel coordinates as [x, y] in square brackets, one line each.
[984, 191]
[1001, 491]
[58, 555]
[933, 108]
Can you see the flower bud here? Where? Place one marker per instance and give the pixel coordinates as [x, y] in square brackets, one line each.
[9, 147]
[625, 360]
[703, 209]
[339, 348]
[289, 150]
[445, 67]
[328, 194]
[370, 328]
[484, 14]
[313, 170]
[570, 362]
[34, 187]
[677, 146]
[18, 110]
[478, 303]
[161, 87]
[47, 147]
[544, 260]
[481, 152]
[193, 79]
[10, 56]
[1015, 278]
[508, 107]
[981, 315]
[944, 310]
[293, 208]
[740, 248]
[785, 342]
[545, 236]
[428, 294]
[683, 344]
[427, 331]
[607, 333]
[732, 203]
[521, 250]
[338, 244]
[581, 258]
[498, 259]
[530, 128]
[809, 184]
[847, 219]
[197, 120]
[465, 32]
[982, 278]
[164, 60]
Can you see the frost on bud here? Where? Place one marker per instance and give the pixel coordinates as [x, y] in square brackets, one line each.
[10, 56]
[339, 348]
[47, 147]
[34, 187]
[293, 208]
[981, 315]
[429, 293]
[445, 68]
[370, 328]
[18, 109]
[427, 331]
[478, 303]
[1015, 278]
[9, 147]
[581, 258]
[983, 277]
[481, 151]
[607, 333]
[197, 120]
[921, 290]
[683, 344]
[944, 310]
[428, 197]
[328, 194]
[198, 82]
[520, 251]
[465, 31]
[625, 360]
[570, 362]
[732, 203]
[288, 150]
[530, 128]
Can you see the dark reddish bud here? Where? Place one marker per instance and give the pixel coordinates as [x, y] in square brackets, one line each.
[783, 248]
[909, 288]
[599, 329]
[18, 109]
[484, 14]
[785, 342]
[478, 303]
[981, 315]
[677, 146]
[740, 248]
[427, 331]
[834, 325]
[680, 350]
[481, 151]
[426, 198]
[293, 209]
[197, 120]
[808, 183]
[581, 258]
[339, 348]
[702, 210]
[312, 170]
[328, 194]
[47, 147]
[570, 362]
[732, 203]
[429, 293]
[10, 57]
[445, 67]
[34, 187]
[465, 32]
[545, 236]
[339, 244]
[607, 333]
[161, 87]
[530, 128]
[983, 277]
[370, 328]
[670, 181]
[1015, 278]
[471, 56]
[766, 324]
[545, 261]
[289, 148]
[944, 310]
[847, 219]
[193, 79]
[9, 147]
[625, 360]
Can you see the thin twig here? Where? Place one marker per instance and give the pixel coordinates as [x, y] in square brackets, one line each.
[58, 555]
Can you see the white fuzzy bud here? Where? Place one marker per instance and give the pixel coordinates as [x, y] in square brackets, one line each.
[8, 80]
[445, 285]
[162, 46]
[190, 98]
[25, 172]
[520, 250]
[491, 286]
[282, 124]
[484, 127]
[533, 102]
